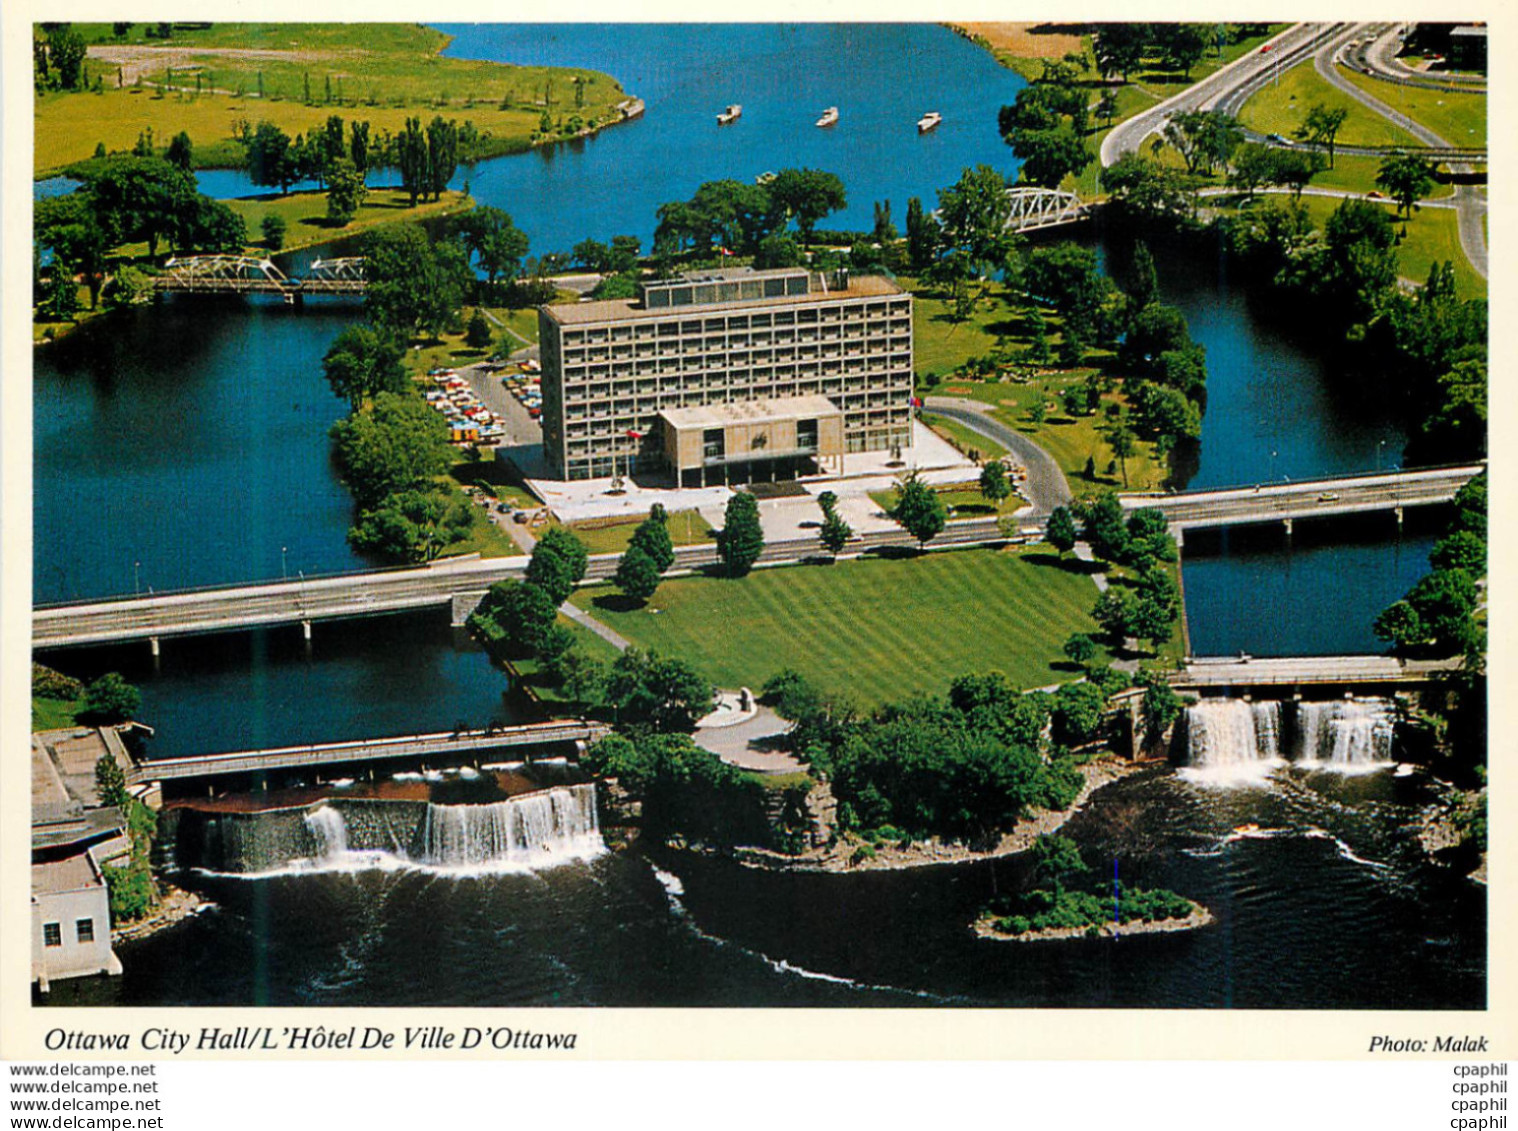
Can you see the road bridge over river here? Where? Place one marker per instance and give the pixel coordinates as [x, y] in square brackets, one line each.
[1244, 673]
[448, 746]
[460, 583]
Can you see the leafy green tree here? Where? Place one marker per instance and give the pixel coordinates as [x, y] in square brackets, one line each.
[1147, 190]
[652, 537]
[974, 213]
[362, 362]
[1154, 330]
[1457, 428]
[664, 693]
[109, 699]
[412, 526]
[494, 239]
[835, 533]
[1124, 444]
[1060, 531]
[514, 615]
[1077, 714]
[413, 283]
[1444, 601]
[140, 198]
[1049, 156]
[637, 574]
[110, 783]
[346, 191]
[66, 52]
[396, 444]
[1150, 620]
[181, 152]
[78, 235]
[273, 228]
[1057, 862]
[411, 160]
[1079, 648]
[1321, 127]
[477, 331]
[1104, 526]
[995, 486]
[1161, 705]
[1204, 138]
[270, 160]
[1462, 550]
[741, 539]
[1182, 45]
[1400, 625]
[777, 250]
[919, 510]
[1113, 611]
[1407, 178]
[558, 563]
[807, 195]
[923, 236]
[62, 301]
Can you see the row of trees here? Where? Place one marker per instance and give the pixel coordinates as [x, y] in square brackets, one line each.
[1438, 617]
[740, 217]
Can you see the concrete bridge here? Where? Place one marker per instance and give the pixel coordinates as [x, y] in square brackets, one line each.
[1313, 498]
[414, 746]
[245, 275]
[1242, 673]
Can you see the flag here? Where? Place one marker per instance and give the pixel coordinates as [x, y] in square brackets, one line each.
[916, 402]
[724, 251]
[633, 434]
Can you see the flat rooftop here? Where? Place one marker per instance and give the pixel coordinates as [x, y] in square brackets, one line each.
[745, 412]
[75, 873]
[628, 310]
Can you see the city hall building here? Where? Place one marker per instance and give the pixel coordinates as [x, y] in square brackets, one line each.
[728, 376]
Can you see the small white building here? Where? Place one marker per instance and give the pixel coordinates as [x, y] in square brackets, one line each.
[71, 921]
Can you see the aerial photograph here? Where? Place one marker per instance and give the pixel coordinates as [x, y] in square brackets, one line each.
[749, 515]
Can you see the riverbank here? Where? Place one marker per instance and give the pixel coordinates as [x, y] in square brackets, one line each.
[175, 906]
[985, 928]
[844, 856]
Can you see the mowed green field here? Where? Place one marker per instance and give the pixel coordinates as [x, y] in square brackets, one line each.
[876, 629]
[1459, 118]
[1282, 107]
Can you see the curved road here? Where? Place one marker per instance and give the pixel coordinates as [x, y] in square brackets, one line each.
[1046, 487]
[1470, 207]
[1379, 58]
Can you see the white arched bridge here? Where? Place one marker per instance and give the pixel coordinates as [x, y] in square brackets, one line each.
[1035, 208]
[246, 275]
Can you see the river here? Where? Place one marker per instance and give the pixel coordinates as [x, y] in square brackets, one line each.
[184, 445]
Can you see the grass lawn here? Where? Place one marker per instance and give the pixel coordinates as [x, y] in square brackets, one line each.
[876, 629]
[1459, 118]
[1433, 235]
[305, 214]
[1281, 108]
[1358, 174]
[962, 502]
[450, 350]
[686, 528]
[383, 73]
[965, 439]
[54, 714]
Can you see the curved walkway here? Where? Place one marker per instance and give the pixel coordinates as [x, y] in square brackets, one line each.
[1046, 487]
[1469, 205]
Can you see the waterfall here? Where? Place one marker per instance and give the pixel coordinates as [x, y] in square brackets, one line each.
[532, 831]
[1345, 734]
[330, 832]
[1230, 734]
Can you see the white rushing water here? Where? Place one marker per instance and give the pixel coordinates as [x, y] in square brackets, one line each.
[536, 830]
[330, 832]
[1230, 739]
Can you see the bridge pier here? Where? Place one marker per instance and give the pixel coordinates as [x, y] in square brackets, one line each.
[1286, 522]
[1397, 510]
[305, 631]
[463, 605]
[155, 646]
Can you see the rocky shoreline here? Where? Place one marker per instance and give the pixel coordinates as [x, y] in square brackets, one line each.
[176, 906]
[841, 857]
[985, 928]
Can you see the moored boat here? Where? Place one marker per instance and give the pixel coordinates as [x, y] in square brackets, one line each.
[929, 121]
[829, 116]
[730, 115]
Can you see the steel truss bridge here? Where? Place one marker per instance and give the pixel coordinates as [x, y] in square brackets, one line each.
[245, 275]
[1035, 208]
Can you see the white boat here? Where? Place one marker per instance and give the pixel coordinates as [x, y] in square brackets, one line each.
[829, 116]
[929, 121]
[730, 115]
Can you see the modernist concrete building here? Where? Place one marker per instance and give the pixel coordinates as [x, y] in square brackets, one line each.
[728, 376]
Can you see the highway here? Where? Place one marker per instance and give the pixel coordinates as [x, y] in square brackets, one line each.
[1319, 498]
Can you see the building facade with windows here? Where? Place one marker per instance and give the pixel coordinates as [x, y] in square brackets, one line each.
[727, 376]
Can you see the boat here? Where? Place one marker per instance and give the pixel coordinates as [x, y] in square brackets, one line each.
[829, 116]
[929, 121]
[730, 115]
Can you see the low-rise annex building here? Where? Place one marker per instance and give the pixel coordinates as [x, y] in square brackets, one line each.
[728, 376]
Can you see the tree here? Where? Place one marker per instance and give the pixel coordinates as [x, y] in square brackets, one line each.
[110, 783]
[492, 237]
[777, 251]
[1400, 625]
[666, 694]
[1104, 526]
[412, 526]
[807, 195]
[363, 362]
[1079, 648]
[1407, 178]
[1444, 601]
[181, 151]
[995, 486]
[1078, 713]
[1112, 611]
[919, 509]
[974, 213]
[413, 283]
[273, 228]
[637, 574]
[270, 161]
[1321, 127]
[1061, 530]
[741, 539]
[558, 563]
[1120, 47]
[1124, 443]
[1205, 138]
[346, 190]
[1049, 156]
[1141, 281]
[836, 532]
[923, 236]
[515, 615]
[110, 699]
[1057, 862]
[396, 444]
[1182, 45]
[652, 537]
[78, 235]
[411, 160]
[1462, 550]
[66, 51]
[141, 198]
[1152, 332]
[62, 293]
